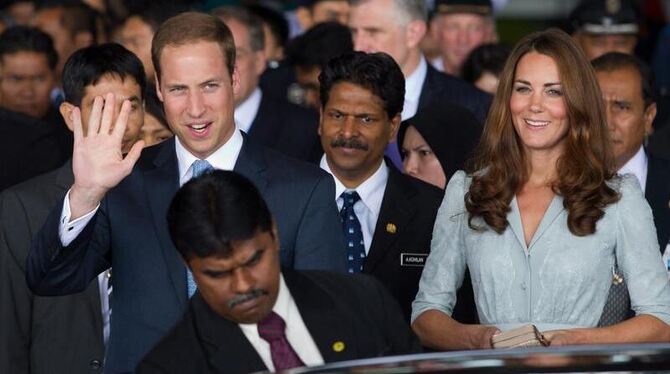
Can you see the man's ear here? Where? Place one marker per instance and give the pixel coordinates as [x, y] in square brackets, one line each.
[395, 125]
[235, 81]
[414, 32]
[320, 120]
[158, 87]
[66, 109]
[261, 62]
[649, 115]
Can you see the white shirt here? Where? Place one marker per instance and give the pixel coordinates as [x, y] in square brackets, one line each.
[413, 85]
[637, 166]
[223, 158]
[438, 63]
[367, 208]
[296, 332]
[104, 289]
[245, 113]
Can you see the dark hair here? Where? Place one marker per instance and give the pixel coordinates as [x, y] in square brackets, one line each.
[77, 17]
[153, 106]
[377, 72]
[501, 167]
[28, 39]
[211, 211]
[274, 20]
[319, 44]
[248, 19]
[485, 58]
[190, 27]
[616, 60]
[88, 65]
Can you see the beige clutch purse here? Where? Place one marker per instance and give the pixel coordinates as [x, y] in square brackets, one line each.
[524, 336]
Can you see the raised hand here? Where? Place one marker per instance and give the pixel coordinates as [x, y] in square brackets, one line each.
[97, 161]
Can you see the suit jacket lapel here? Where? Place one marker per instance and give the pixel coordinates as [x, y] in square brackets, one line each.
[396, 210]
[657, 193]
[319, 312]
[251, 164]
[161, 183]
[227, 348]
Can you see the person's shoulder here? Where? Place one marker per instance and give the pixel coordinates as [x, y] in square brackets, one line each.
[290, 168]
[177, 351]
[423, 190]
[340, 283]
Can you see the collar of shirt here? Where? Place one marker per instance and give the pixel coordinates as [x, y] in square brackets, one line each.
[223, 158]
[371, 190]
[637, 166]
[245, 113]
[413, 85]
[296, 331]
[438, 63]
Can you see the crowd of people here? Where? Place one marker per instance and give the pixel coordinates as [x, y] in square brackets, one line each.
[196, 187]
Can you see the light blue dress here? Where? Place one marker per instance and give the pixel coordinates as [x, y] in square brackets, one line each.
[560, 280]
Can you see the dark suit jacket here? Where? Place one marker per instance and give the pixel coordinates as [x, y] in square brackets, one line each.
[42, 334]
[129, 232]
[355, 310]
[287, 128]
[443, 87]
[657, 193]
[28, 147]
[401, 242]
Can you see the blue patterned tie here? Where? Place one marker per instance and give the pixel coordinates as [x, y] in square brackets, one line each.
[352, 232]
[198, 168]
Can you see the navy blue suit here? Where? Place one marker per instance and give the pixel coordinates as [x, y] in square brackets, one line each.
[287, 128]
[129, 232]
[443, 87]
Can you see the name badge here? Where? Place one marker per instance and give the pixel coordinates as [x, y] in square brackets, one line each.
[413, 259]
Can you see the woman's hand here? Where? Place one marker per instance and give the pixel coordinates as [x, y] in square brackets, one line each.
[483, 335]
[565, 337]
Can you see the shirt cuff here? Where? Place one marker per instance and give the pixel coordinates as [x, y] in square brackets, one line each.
[69, 231]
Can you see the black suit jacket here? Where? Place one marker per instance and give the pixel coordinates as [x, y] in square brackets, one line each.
[657, 193]
[287, 128]
[42, 334]
[439, 86]
[28, 147]
[401, 242]
[354, 310]
[130, 233]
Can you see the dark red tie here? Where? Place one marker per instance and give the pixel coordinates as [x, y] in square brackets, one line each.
[272, 330]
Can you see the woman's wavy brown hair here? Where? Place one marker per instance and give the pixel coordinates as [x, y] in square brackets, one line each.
[500, 167]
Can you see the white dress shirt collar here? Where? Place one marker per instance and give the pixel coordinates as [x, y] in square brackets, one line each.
[367, 208]
[637, 166]
[223, 158]
[245, 113]
[413, 84]
[371, 190]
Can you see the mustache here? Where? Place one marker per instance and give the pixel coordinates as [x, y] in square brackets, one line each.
[348, 143]
[239, 299]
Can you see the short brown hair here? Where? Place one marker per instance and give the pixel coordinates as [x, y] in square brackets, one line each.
[192, 27]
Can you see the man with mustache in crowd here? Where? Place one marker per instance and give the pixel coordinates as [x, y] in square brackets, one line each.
[387, 217]
[248, 314]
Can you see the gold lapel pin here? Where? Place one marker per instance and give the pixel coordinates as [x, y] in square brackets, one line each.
[338, 346]
[390, 228]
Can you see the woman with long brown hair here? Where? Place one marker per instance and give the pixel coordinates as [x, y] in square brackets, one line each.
[540, 219]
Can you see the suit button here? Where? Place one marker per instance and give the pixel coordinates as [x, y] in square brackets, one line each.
[523, 286]
[94, 364]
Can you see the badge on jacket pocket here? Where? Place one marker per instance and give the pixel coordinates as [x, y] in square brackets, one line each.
[413, 259]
